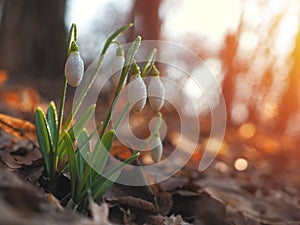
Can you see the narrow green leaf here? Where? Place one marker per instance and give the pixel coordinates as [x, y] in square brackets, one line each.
[52, 120]
[83, 152]
[116, 169]
[75, 130]
[44, 139]
[72, 163]
[114, 36]
[81, 123]
[101, 151]
[105, 185]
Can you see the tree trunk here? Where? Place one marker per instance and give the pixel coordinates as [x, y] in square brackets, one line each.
[33, 38]
[146, 19]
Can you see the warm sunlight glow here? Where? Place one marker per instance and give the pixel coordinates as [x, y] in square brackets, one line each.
[247, 130]
[212, 19]
[270, 111]
[241, 164]
[239, 113]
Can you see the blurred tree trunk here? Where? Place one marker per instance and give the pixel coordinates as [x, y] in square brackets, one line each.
[227, 55]
[146, 19]
[290, 101]
[33, 37]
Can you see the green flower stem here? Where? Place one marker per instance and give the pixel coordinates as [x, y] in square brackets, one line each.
[60, 117]
[147, 141]
[72, 37]
[109, 41]
[121, 117]
[150, 62]
[128, 60]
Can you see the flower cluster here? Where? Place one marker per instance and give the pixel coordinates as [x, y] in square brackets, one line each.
[71, 140]
[138, 93]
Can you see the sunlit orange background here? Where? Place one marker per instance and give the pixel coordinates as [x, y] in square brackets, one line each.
[252, 48]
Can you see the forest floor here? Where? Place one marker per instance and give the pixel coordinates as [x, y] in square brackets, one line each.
[266, 191]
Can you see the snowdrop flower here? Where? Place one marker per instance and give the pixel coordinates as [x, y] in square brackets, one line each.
[117, 66]
[137, 91]
[156, 148]
[156, 91]
[74, 67]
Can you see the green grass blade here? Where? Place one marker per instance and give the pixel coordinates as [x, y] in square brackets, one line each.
[51, 117]
[72, 163]
[44, 139]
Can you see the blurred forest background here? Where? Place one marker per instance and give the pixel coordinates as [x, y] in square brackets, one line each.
[252, 47]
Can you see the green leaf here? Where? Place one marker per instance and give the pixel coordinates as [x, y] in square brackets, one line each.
[83, 152]
[75, 130]
[44, 139]
[105, 185]
[114, 172]
[114, 36]
[81, 123]
[102, 149]
[72, 163]
[52, 121]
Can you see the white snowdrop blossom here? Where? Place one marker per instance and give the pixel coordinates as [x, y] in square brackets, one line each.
[156, 93]
[156, 148]
[137, 91]
[74, 69]
[117, 66]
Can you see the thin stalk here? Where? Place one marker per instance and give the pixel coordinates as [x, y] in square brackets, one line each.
[72, 36]
[60, 117]
[146, 142]
[108, 42]
[129, 57]
[121, 117]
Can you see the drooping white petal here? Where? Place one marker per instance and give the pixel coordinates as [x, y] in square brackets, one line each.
[74, 69]
[156, 93]
[156, 149]
[137, 94]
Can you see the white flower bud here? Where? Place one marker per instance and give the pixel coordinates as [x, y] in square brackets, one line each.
[137, 93]
[117, 66]
[156, 93]
[74, 69]
[156, 148]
